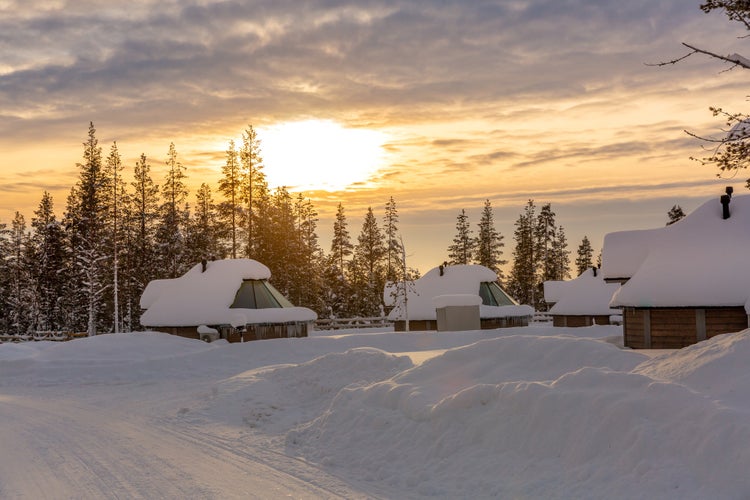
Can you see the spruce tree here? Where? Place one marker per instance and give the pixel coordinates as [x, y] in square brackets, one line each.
[170, 235]
[585, 256]
[230, 210]
[368, 267]
[85, 221]
[461, 251]
[562, 255]
[546, 235]
[20, 298]
[254, 190]
[49, 257]
[5, 285]
[489, 242]
[203, 239]
[390, 228]
[523, 281]
[341, 245]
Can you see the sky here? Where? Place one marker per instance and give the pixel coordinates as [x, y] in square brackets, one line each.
[441, 104]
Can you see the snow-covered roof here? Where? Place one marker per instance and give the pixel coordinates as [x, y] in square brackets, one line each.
[456, 280]
[587, 295]
[700, 261]
[204, 298]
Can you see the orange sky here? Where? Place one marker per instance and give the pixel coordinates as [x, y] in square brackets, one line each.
[446, 104]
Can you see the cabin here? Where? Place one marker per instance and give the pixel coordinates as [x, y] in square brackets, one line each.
[441, 287]
[583, 301]
[686, 282]
[223, 299]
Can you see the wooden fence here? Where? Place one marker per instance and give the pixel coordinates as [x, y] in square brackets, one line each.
[341, 323]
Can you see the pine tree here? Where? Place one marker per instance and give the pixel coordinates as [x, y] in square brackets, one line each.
[562, 256]
[113, 170]
[5, 285]
[203, 240]
[308, 283]
[341, 245]
[230, 186]
[546, 235]
[390, 228]
[20, 298]
[170, 235]
[585, 256]
[85, 220]
[49, 257]
[523, 281]
[143, 217]
[675, 213]
[368, 269]
[461, 251]
[254, 190]
[489, 242]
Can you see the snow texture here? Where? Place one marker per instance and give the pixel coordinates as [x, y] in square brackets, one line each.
[203, 298]
[456, 280]
[586, 295]
[700, 261]
[534, 412]
[458, 299]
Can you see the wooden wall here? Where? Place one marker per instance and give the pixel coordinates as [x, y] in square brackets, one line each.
[427, 325]
[578, 321]
[674, 328]
[252, 332]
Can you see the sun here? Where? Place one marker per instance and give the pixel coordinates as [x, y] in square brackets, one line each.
[320, 155]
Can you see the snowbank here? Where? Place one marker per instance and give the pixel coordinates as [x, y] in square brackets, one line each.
[531, 412]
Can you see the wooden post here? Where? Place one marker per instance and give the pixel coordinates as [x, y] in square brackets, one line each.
[647, 328]
[700, 325]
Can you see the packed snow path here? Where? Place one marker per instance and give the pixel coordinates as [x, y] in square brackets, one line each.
[535, 412]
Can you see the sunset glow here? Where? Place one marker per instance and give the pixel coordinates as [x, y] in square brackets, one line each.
[441, 105]
[320, 155]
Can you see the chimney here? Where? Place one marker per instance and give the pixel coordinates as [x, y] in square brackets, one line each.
[204, 264]
[725, 199]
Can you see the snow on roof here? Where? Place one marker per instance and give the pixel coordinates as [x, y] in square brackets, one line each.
[456, 280]
[586, 295]
[700, 261]
[203, 298]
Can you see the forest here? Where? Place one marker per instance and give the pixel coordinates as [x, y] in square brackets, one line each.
[120, 229]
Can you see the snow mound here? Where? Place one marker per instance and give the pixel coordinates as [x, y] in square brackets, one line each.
[571, 408]
[706, 367]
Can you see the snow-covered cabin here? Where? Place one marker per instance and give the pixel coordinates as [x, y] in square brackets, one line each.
[229, 299]
[685, 282]
[497, 309]
[583, 301]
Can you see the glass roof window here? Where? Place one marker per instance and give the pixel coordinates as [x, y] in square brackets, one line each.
[258, 294]
[493, 295]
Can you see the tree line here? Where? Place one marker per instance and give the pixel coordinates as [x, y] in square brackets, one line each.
[86, 271]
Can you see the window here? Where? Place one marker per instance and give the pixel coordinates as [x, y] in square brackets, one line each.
[258, 294]
[493, 295]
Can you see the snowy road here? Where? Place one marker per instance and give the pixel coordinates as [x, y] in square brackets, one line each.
[64, 450]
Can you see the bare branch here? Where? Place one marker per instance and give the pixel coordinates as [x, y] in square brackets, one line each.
[732, 58]
[673, 61]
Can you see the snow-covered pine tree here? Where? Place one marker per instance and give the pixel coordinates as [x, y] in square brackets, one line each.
[523, 280]
[20, 298]
[461, 251]
[173, 217]
[675, 213]
[546, 235]
[368, 266]
[562, 255]
[85, 222]
[489, 242]
[308, 284]
[230, 210]
[585, 256]
[49, 258]
[203, 238]
[281, 255]
[143, 218]
[341, 243]
[254, 192]
[393, 251]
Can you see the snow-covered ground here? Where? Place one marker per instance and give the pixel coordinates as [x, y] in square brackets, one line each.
[535, 412]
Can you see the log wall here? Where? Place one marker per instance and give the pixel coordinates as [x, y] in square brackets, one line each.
[674, 328]
[578, 321]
